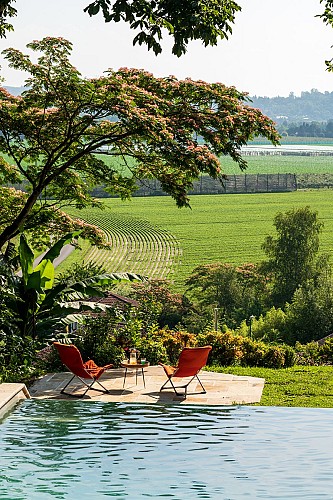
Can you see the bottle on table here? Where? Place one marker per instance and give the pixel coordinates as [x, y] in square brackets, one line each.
[133, 358]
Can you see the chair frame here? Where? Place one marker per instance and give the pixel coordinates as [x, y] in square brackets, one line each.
[193, 376]
[183, 386]
[104, 390]
[86, 370]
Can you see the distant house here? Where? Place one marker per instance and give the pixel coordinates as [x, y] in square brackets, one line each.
[110, 299]
[114, 300]
[322, 341]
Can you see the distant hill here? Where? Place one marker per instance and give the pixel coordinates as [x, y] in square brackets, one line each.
[309, 106]
[15, 90]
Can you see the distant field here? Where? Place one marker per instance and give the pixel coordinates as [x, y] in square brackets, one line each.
[269, 164]
[272, 164]
[226, 228]
[322, 141]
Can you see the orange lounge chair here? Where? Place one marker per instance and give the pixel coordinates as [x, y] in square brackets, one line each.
[71, 358]
[190, 362]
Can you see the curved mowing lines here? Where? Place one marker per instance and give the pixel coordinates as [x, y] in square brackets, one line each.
[137, 246]
[154, 267]
[153, 260]
[163, 253]
[174, 253]
[147, 244]
[168, 257]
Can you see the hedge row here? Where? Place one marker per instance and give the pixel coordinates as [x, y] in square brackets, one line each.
[235, 350]
[228, 349]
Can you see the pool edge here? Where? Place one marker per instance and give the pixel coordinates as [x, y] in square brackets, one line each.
[10, 394]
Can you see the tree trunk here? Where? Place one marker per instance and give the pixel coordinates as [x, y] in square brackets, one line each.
[18, 223]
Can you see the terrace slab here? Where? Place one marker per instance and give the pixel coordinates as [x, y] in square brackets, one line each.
[222, 388]
[10, 394]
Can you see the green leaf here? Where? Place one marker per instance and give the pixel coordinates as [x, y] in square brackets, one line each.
[26, 258]
[42, 277]
[55, 250]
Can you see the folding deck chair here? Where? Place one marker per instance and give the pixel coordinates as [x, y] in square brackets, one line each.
[71, 358]
[190, 362]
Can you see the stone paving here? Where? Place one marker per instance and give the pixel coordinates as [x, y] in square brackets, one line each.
[10, 394]
[222, 388]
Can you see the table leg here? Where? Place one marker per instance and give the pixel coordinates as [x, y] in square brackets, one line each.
[143, 377]
[125, 377]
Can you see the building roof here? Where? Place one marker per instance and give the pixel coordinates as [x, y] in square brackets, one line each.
[113, 299]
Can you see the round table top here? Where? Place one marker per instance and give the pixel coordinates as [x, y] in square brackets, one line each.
[126, 364]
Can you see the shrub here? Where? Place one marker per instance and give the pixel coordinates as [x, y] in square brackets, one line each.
[271, 327]
[308, 354]
[153, 350]
[174, 342]
[96, 339]
[289, 355]
[273, 357]
[253, 352]
[230, 349]
[18, 362]
[327, 351]
[226, 347]
[313, 353]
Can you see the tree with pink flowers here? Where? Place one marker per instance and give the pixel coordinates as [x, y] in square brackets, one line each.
[66, 133]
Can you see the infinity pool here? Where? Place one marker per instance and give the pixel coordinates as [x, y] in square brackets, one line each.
[79, 450]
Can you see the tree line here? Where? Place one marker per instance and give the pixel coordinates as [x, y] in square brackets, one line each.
[306, 129]
[310, 106]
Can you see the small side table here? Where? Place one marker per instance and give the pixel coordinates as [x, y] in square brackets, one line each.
[137, 367]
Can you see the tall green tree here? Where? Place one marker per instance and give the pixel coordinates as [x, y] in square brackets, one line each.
[309, 315]
[237, 292]
[292, 254]
[159, 127]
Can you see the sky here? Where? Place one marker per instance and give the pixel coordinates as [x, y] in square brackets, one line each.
[277, 47]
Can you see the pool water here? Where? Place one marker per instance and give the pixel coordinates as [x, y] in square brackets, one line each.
[79, 450]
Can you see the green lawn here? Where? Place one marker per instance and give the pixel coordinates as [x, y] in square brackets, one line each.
[227, 228]
[310, 386]
[263, 164]
[271, 164]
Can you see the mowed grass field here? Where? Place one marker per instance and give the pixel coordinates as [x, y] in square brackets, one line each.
[225, 228]
[261, 164]
[275, 164]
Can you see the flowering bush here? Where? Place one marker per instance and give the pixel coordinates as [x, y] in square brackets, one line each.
[174, 342]
[230, 349]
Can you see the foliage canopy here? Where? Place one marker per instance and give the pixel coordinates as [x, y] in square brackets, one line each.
[292, 255]
[205, 20]
[184, 20]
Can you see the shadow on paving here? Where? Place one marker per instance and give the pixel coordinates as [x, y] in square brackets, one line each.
[221, 388]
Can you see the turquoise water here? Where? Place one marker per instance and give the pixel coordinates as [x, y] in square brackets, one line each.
[79, 450]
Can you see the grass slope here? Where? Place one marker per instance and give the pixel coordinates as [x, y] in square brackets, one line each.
[307, 386]
[226, 228]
